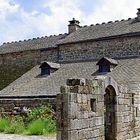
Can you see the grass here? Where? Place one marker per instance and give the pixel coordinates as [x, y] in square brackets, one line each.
[3, 124]
[40, 121]
[37, 127]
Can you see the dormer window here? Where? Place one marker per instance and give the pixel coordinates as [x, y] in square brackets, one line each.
[104, 68]
[106, 64]
[48, 67]
[45, 71]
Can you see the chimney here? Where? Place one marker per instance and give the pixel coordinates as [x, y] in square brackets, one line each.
[73, 26]
[138, 14]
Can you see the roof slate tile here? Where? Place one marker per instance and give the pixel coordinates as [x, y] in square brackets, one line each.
[30, 84]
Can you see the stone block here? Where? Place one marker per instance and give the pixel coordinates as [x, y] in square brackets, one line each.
[72, 97]
[83, 107]
[74, 124]
[79, 89]
[82, 134]
[83, 123]
[99, 121]
[92, 134]
[84, 98]
[72, 110]
[82, 115]
[79, 98]
[74, 82]
[59, 134]
[92, 122]
[64, 89]
[72, 135]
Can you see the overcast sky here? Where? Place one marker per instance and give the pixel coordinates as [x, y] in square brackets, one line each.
[24, 19]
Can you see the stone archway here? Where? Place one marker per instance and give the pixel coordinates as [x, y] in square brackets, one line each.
[110, 113]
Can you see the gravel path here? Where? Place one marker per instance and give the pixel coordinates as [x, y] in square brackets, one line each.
[24, 137]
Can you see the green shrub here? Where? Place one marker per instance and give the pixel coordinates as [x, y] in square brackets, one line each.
[50, 124]
[40, 121]
[16, 125]
[50, 127]
[36, 127]
[14, 129]
[3, 123]
[37, 112]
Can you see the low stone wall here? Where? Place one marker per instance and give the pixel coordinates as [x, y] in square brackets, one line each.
[8, 105]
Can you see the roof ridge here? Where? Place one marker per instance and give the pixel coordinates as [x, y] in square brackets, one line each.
[35, 38]
[106, 23]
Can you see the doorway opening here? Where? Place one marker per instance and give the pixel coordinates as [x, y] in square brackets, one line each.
[110, 113]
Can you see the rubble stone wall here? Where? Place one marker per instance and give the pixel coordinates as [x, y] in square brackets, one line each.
[80, 119]
[94, 50]
[8, 105]
[75, 118]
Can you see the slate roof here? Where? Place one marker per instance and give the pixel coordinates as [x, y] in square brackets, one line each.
[127, 70]
[31, 44]
[103, 30]
[92, 32]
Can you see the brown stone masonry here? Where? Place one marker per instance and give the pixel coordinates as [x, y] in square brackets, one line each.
[98, 109]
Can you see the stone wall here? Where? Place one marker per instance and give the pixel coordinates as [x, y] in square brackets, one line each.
[75, 118]
[135, 89]
[8, 105]
[93, 50]
[126, 115]
[82, 109]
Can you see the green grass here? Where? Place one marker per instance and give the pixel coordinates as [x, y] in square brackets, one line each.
[3, 124]
[40, 121]
[36, 127]
[16, 125]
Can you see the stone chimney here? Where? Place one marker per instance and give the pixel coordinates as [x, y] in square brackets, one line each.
[138, 14]
[73, 26]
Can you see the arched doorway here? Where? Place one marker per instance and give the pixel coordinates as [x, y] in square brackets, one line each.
[110, 113]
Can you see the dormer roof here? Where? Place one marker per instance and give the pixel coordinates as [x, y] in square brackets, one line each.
[50, 64]
[108, 60]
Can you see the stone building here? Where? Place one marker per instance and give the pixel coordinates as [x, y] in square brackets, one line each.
[97, 68]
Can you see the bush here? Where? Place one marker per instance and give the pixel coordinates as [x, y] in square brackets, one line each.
[16, 125]
[50, 124]
[36, 127]
[3, 124]
[37, 113]
[40, 120]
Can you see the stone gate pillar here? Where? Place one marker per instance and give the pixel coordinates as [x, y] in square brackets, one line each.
[80, 110]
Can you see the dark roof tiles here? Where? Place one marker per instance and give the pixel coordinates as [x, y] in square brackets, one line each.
[31, 44]
[93, 32]
[29, 84]
[103, 30]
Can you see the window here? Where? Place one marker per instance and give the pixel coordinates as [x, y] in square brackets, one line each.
[106, 64]
[93, 105]
[48, 67]
[132, 98]
[45, 71]
[103, 68]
